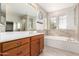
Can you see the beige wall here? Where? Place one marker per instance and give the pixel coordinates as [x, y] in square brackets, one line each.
[77, 22]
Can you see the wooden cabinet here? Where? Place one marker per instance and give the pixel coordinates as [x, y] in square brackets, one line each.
[30, 46]
[19, 47]
[23, 41]
[37, 44]
[12, 52]
[41, 43]
[9, 45]
[24, 50]
[0, 47]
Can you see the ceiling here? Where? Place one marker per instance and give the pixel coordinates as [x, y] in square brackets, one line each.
[51, 7]
[25, 9]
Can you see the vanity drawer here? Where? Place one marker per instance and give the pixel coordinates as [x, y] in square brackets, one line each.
[18, 51]
[23, 41]
[23, 50]
[9, 45]
[12, 52]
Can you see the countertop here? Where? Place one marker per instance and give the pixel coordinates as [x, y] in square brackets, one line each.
[8, 36]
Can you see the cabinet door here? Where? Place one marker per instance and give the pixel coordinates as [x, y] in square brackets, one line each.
[41, 44]
[35, 48]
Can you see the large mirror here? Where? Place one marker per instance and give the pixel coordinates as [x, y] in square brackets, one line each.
[17, 17]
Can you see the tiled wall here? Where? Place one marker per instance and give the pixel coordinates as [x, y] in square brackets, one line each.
[67, 33]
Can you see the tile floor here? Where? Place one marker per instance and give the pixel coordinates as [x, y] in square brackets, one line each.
[50, 51]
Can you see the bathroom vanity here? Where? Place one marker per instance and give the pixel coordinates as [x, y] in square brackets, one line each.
[31, 45]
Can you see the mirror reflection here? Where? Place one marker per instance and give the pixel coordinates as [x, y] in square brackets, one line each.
[17, 17]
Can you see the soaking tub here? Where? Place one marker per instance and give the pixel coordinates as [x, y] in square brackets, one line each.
[62, 42]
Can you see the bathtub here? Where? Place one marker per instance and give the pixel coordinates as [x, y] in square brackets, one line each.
[62, 42]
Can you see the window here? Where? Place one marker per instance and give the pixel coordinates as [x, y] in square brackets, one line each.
[62, 22]
[18, 25]
[53, 19]
[53, 23]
